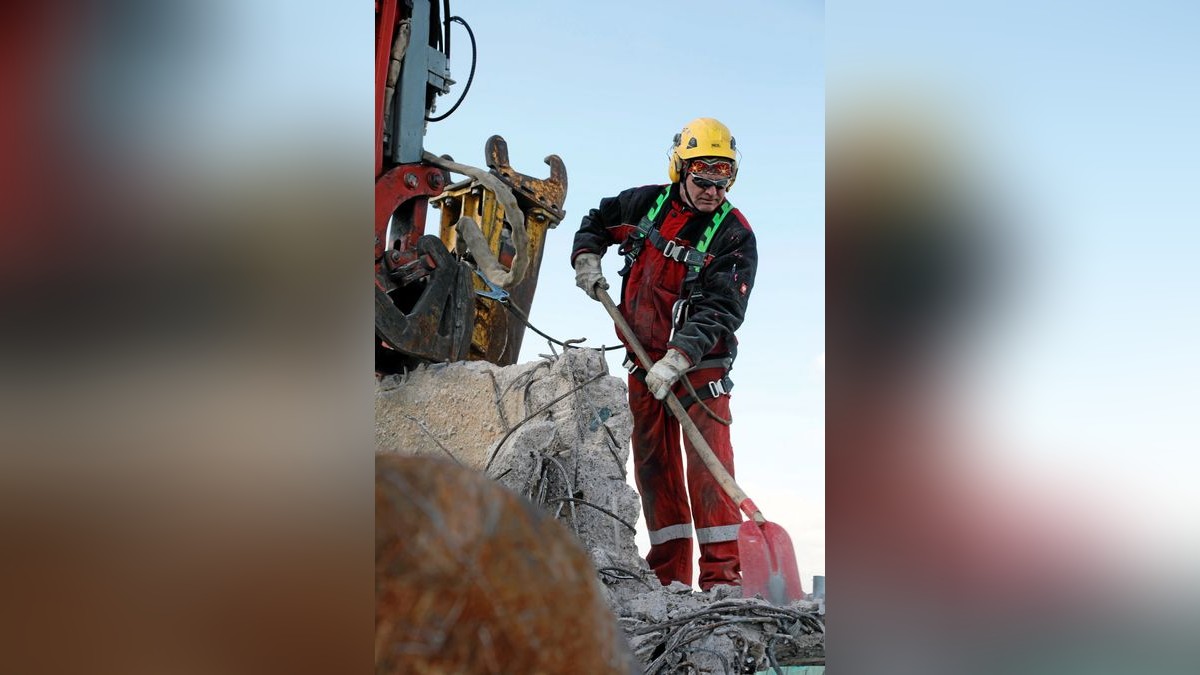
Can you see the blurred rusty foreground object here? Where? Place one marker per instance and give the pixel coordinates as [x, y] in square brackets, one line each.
[470, 578]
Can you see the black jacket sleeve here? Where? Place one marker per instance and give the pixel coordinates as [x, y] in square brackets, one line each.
[723, 290]
[597, 231]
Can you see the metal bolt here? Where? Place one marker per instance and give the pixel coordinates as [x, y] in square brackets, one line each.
[435, 181]
[411, 180]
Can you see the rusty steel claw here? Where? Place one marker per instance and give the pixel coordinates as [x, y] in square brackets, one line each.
[548, 193]
[501, 218]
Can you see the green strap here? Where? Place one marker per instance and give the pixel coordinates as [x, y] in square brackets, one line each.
[711, 231]
[662, 199]
[718, 218]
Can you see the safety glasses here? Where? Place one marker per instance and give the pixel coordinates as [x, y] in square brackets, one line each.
[705, 183]
[714, 167]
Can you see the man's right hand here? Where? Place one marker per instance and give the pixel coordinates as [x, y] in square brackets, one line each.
[588, 275]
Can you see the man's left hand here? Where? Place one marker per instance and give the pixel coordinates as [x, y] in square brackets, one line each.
[663, 374]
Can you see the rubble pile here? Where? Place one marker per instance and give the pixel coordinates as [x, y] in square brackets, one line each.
[556, 432]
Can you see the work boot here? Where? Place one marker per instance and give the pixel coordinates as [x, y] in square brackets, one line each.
[672, 561]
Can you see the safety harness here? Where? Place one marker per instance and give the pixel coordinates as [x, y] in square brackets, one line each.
[708, 390]
[695, 258]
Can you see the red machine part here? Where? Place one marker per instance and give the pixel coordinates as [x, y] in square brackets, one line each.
[387, 20]
[404, 183]
[401, 191]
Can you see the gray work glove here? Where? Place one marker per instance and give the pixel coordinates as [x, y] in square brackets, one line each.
[588, 274]
[662, 375]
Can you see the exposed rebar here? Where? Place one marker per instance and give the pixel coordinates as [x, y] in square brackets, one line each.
[601, 509]
[421, 425]
[541, 410]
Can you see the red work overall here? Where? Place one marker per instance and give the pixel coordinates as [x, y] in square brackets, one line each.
[651, 290]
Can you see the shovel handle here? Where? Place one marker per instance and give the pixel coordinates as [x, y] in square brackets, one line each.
[718, 471]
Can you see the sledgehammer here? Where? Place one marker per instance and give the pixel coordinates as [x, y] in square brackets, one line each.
[765, 549]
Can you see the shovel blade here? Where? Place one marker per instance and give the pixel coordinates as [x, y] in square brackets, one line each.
[768, 563]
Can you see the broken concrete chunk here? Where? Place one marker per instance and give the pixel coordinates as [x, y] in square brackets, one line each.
[556, 432]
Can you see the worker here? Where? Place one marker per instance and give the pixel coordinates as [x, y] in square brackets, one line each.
[689, 264]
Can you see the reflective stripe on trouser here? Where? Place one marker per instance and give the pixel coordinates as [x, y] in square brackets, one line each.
[670, 532]
[665, 488]
[713, 535]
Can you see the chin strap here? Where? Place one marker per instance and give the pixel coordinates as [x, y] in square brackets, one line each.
[687, 199]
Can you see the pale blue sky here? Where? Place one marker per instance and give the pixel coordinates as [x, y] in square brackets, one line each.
[606, 86]
[1088, 114]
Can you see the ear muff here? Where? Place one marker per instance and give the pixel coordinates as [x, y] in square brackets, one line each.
[736, 163]
[674, 161]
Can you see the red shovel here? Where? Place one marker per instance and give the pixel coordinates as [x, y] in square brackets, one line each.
[765, 549]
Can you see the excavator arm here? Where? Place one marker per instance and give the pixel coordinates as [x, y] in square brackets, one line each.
[430, 302]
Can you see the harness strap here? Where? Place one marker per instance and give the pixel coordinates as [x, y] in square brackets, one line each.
[725, 362]
[637, 239]
[694, 258]
[713, 389]
[711, 230]
[658, 204]
[685, 254]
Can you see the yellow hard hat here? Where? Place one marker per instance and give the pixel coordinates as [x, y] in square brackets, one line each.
[702, 137]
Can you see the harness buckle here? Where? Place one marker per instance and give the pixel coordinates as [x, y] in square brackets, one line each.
[629, 364]
[717, 388]
[670, 249]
